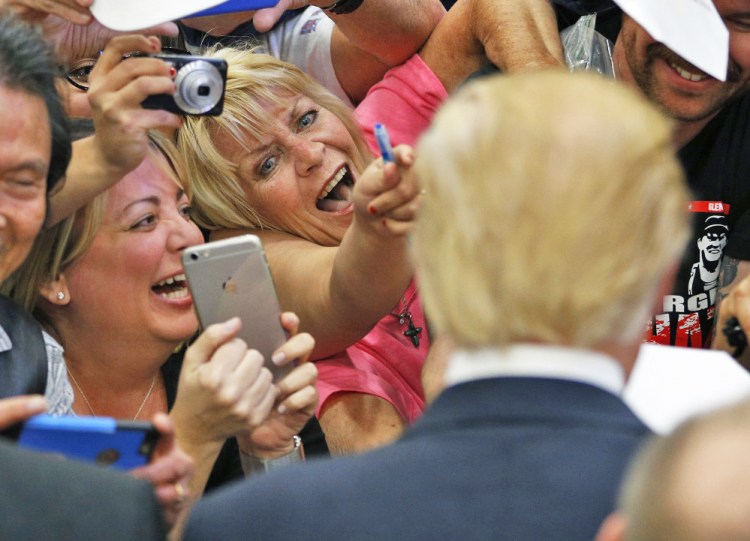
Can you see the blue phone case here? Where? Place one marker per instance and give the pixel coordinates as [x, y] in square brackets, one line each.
[236, 5]
[102, 440]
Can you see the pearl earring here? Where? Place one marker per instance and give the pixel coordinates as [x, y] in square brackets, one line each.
[60, 295]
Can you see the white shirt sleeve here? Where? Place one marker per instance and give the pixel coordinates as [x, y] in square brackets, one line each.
[59, 393]
[305, 41]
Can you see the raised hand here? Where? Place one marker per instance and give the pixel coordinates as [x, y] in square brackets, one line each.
[116, 91]
[297, 398]
[224, 390]
[386, 195]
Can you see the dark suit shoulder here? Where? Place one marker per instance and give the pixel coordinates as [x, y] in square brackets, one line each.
[55, 499]
[516, 460]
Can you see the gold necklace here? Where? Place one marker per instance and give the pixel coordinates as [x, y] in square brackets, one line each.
[91, 409]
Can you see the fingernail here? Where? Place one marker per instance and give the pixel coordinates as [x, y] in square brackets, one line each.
[372, 210]
[278, 358]
[231, 324]
[384, 223]
[172, 72]
[282, 409]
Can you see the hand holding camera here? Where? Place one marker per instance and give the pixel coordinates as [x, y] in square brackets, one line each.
[199, 86]
[143, 92]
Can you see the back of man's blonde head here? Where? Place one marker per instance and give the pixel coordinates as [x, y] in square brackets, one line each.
[554, 206]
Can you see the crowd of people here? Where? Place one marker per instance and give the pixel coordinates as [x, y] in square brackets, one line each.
[462, 316]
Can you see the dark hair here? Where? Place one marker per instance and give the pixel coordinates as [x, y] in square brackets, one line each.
[28, 64]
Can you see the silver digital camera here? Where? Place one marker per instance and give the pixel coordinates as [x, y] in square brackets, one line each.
[200, 83]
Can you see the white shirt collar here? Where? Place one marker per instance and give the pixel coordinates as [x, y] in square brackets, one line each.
[534, 360]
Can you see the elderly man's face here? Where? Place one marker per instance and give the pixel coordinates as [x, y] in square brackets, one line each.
[679, 88]
[25, 150]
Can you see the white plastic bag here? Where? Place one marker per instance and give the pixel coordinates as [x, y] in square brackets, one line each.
[586, 49]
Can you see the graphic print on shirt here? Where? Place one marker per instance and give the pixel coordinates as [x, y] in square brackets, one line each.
[688, 312]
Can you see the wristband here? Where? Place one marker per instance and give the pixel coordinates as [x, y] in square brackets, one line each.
[252, 464]
[342, 7]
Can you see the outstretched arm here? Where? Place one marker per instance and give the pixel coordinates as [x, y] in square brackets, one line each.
[376, 36]
[340, 293]
[365, 43]
[511, 34]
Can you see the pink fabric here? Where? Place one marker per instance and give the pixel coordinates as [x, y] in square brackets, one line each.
[385, 363]
[404, 101]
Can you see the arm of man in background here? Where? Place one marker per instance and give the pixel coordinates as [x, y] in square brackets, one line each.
[733, 300]
[511, 34]
[365, 43]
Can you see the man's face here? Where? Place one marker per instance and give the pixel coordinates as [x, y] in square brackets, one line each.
[25, 149]
[683, 91]
[711, 244]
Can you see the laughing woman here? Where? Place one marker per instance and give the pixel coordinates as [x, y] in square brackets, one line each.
[108, 285]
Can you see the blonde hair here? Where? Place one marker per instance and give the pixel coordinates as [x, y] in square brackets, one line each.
[59, 247]
[554, 204]
[254, 82]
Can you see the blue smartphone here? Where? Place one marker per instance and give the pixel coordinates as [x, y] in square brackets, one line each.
[236, 5]
[101, 440]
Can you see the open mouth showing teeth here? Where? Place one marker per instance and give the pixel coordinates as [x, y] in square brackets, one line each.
[337, 194]
[174, 287]
[688, 75]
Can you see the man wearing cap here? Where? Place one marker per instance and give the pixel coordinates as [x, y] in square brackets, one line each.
[704, 275]
[712, 131]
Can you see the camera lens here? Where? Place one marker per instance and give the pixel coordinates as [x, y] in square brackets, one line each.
[194, 256]
[199, 85]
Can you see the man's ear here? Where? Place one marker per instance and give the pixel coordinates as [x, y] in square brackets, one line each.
[613, 528]
[56, 291]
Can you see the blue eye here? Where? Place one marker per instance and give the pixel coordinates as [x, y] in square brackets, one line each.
[308, 119]
[268, 165]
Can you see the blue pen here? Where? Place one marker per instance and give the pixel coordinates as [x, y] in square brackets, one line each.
[384, 143]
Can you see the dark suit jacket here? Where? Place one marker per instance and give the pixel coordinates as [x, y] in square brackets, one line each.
[507, 458]
[64, 500]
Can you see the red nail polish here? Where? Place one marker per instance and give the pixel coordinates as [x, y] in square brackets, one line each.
[172, 72]
[372, 210]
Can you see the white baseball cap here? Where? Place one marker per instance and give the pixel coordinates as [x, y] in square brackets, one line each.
[127, 15]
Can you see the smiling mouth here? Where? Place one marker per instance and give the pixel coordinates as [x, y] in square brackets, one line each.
[174, 287]
[337, 193]
[688, 75]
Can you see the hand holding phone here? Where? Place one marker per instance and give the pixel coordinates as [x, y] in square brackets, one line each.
[102, 440]
[230, 278]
